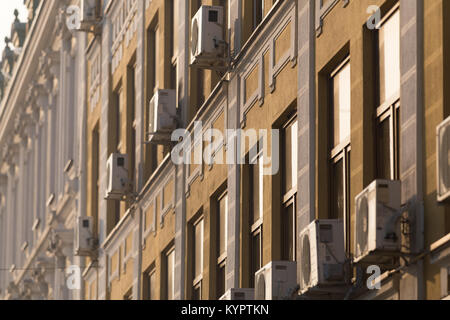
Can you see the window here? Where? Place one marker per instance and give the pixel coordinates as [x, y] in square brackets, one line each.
[132, 113]
[340, 151]
[256, 214]
[222, 228]
[116, 121]
[224, 4]
[153, 48]
[198, 260]
[151, 159]
[170, 274]
[173, 35]
[95, 182]
[448, 280]
[258, 12]
[388, 111]
[290, 168]
[128, 295]
[150, 285]
[118, 136]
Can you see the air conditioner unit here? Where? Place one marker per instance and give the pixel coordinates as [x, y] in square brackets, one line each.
[117, 177]
[322, 256]
[84, 238]
[162, 116]
[207, 37]
[377, 231]
[239, 295]
[89, 12]
[443, 161]
[276, 281]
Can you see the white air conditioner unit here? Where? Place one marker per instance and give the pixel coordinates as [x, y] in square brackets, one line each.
[117, 179]
[443, 161]
[84, 238]
[322, 256]
[276, 281]
[89, 12]
[239, 295]
[162, 116]
[377, 231]
[207, 37]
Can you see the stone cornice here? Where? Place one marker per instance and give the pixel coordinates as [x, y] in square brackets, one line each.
[26, 67]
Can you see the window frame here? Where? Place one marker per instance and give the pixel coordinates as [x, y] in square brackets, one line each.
[197, 280]
[289, 197]
[255, 21]
[340, 152]
[388, 110]
[256, 226]
[167, 255]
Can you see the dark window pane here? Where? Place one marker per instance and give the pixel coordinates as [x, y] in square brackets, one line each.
[384, 150]
[222, 236]
[256, 194]
[220, 281]
[258, 7]
[198, 259]
[256, 255]
[197, 293]
[288, 234]
[398, 142]
[337, 191]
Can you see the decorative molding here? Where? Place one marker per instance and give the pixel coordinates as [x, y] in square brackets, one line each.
[124, 27]
[171, 204]
[322, 10]
[94, 59]
[254, 59]
[113, 275]
[127, 253]
[152, 226]
[191, 176]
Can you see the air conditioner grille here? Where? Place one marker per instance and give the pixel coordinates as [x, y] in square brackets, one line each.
[362, 221]
[194, 37]
[444, 159]
[306, 260]
[260, 287]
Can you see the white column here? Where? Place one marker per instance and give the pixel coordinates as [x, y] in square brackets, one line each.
[3, 186]
[9, 241]
[51, 150]
[36, 173]
[43, 156]
[20, 213]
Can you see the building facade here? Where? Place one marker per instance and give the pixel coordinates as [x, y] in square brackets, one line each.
[348, 91]
[41, 125]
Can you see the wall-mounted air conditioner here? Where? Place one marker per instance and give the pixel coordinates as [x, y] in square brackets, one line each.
[377, 228]
[322, 255]
[276, 281]
[443, 161]
[207, 37]
[90, 13]
[117, 177]
[162, 116]
[84, 237]
[239, 295]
